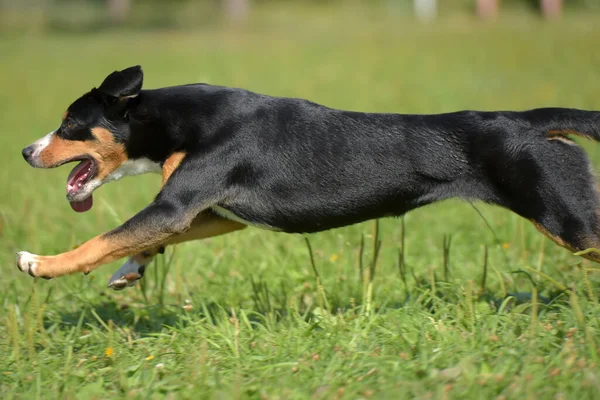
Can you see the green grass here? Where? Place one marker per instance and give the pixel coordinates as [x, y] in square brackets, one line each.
[244, 315]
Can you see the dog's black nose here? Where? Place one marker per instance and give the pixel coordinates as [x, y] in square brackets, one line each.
[27, 152]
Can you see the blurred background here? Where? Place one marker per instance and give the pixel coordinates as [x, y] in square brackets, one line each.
[99, 15]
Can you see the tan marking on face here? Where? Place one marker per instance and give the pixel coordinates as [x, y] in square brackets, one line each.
[108, 154]
[65, 115]
[59, 150]
[171, 165]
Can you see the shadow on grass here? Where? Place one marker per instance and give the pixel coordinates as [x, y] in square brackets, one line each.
[148, 320]
[145, 320]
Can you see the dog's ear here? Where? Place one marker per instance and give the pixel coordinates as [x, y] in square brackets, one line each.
[123, 84]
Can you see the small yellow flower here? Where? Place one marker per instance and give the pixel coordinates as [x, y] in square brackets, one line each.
[506, 246]
[108, 352]
[150, 357]
[334, 258]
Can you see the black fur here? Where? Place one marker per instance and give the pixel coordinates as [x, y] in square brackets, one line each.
[123, 83]
[297, 166]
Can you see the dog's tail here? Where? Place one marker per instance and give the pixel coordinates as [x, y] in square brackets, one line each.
[565, 122]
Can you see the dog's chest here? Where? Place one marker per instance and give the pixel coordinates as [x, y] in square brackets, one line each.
[135, 167]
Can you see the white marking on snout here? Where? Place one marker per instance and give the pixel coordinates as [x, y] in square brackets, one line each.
[134, 167]
[41, 144]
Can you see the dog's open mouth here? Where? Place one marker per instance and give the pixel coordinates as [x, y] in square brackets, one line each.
[79, 176]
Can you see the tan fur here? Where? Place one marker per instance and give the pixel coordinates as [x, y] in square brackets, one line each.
[562, 132]
[109, 155]
[171, 165]
[196, 230]
[554, 238]
[562, 138]
[591, 242]
[206, 225]
[102, 250]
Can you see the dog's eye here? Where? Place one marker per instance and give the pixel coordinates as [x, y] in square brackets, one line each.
[69, 124]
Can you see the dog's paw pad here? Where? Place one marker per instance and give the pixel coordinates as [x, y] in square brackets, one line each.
[27, 262]
[126, 276]
[118, 284]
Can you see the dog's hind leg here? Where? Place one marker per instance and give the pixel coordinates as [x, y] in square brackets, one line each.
[553, 186]
[203, 226]
[573, 228]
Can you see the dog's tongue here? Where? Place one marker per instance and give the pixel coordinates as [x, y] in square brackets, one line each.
[82, 206]
[76, 179]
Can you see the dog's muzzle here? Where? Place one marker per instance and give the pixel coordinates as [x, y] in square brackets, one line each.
[32, 152]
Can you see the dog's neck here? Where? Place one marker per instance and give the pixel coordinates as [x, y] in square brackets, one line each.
[153, 129]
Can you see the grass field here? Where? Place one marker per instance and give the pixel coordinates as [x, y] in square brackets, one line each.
[245, 316]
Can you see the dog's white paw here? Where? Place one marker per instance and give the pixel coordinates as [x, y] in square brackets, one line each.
[27, 262]
[127, 275]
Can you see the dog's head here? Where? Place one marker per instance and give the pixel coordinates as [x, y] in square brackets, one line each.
[93, 132]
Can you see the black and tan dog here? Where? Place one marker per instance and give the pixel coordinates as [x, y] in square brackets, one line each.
[231, 158]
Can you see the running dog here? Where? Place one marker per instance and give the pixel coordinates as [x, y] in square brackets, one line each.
[230, 158]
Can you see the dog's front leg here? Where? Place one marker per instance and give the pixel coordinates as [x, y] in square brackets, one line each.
[205, 225]
[149, 228]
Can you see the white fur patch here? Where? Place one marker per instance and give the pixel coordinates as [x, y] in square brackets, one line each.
[128, 168]
[134, 167]
[42, 143]
[27, 262]
[231, 216]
